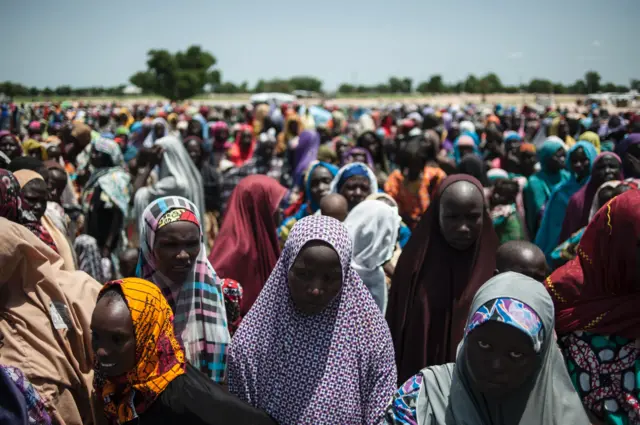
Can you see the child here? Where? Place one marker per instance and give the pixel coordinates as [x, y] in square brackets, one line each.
[502, 204]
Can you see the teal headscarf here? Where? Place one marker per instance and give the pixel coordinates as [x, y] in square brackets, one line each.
[551, 225]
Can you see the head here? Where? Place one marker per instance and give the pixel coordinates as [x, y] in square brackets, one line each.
[504, 192]
[54, 152]
[412, 158]
[579, 163]
[9, 145]
[100, 159]
[460, 214]
[193, 145]
[335, 205]
[33, 191]
[159, 130]
[494, 141]
[293, 127]
[56, 183]
[606, 167]
[355, 189]
[319, 183]
[128, 262]
[246, 139]
[341, 146]
[528, 159]
[177, 244]
[522, 257]
[267, 146]
[370, 142]
[112, 334]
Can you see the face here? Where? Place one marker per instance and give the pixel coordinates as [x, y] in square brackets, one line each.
[499, 357]
[605, 170]
[563, 130]
[177, 246]
[465, 150]
[579, 163]
[56, 183]
[54, 152]
[503, 194]
[370, 143]
[195, 151]
[527, 163]
[158, 131]
[222, 134]
[113, 337]
[315, 278]
[341, 148]
[293, 127]
[320, 182]
[35, 153]
[460, 215]
[9, 147]
[359, 157]
[99, 159]
[35, 196]
[356, 189]
[557, 160]
[416, 165]
[246, 139]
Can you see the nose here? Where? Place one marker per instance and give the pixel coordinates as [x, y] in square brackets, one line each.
[496, 363]
[182, 255]
[101, 352]
[314, 291]
[357, 191]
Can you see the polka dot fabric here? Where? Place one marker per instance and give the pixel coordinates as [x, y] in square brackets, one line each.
[336, 367]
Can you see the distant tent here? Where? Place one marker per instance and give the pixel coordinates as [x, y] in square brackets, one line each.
[132, 90]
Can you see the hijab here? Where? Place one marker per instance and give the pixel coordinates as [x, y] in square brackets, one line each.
[350, 170]
[14, 140]
[236, 154]
[333, 367]
[247, 249]
[597, 291]
[159, 355]
[548, 235]
[200, 316]
[448, 395]
[593, 138]
[464, 140]
[305, 153]
[474, 166]
[579, 207]
[622, 148]
[433, 286]
[347, 158]
[151, 139]
[373, 227]
[32, 144]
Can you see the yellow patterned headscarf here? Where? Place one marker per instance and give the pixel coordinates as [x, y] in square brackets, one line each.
[159, 355]
[32, 144]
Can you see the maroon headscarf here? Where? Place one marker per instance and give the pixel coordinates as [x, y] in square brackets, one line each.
[579, 207]
[433, 287]
[247, 248]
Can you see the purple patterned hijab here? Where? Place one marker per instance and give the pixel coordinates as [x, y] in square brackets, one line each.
[336, 367]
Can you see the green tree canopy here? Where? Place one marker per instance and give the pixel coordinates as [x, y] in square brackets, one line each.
[592, 80]
[177, 76]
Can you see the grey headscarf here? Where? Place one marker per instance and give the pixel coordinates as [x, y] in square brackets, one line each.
[448, 395]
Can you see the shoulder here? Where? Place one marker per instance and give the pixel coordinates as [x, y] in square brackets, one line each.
[402, 409]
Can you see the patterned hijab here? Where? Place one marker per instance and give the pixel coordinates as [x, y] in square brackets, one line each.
[159, 355]
[12, 204]
[291, 365]
[198, 303]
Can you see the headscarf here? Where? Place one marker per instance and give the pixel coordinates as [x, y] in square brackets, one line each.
[347, 158]
[21, 402]
[591, 137]
[285, 136]
[597, 291]
[327, 154]
[373, 227]
[213, 130]
[51, 312]
[247, 248]
[14, 139]
[151, 139]
[350, 170]
[622, 148]
[306, 358]
[474, 166]
[159, 355]
[200, 316]
[236, 154]
[464, 140]
[548, 235]
[32, 144]
[579, 206]
[15, 208]
[433, 286]
[178, 176]
[448, 394]
[305, 153]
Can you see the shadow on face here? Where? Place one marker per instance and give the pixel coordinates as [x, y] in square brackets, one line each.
[319, 183]
[460, 215]
[557, 161]
[34, 196]
[176, 249]
[56, 183]
[579, 163]
[355, 190]
[315, 278]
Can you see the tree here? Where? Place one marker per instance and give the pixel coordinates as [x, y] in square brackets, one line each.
[305, 83]
[346, 88]
[592, 80]
[471, 84]
[559, 88]
[63, 90]
[635, 85]
[34, 91]
[540, 86]
[47, 91]
[609, 88]
[579, 87]
[407, 84]
[177, 76]
[490, 83]
[435, 84]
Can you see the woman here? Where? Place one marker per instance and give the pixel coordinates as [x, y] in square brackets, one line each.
[412, 185]
[317, 184]
[9, 145]
[596, 297]
[373, 227]
[305, 153]
[451, 253]
[34, 194]
[629, 152]
[358, 155]
[177, 176]
[247, 247]
[159, 130]
[245, 143]
[44, 318]
[474, 166]
[508, 369]
[370, 141]
[591, 137]
[579, 162]
[464, 145]
[20, 402]
[606, 167]
[297, 354]
[144, 376]
[355, 182]
[174, 257]
[35, 149]
[106, 197]
[551, 156]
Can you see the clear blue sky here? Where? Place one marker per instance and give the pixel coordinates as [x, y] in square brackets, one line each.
[86, 43]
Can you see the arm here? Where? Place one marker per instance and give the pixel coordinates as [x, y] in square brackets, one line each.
[114, 232]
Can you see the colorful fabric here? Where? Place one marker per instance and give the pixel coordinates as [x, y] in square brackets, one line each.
[507, 223]
[35, 407]
[178, 214]
[402, 410]
[159, 355]
[413, 201]
[305, 153]
[350, 170]
[276, 347]
[200, 317]
[236, 153]
[592, 138]
[605, 371]
[464, 140]
[89, 257]
[347, 158]
[232, 291]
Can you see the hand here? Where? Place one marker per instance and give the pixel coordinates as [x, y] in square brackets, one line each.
[156, 156]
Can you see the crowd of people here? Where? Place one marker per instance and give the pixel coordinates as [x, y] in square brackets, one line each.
[285, 264]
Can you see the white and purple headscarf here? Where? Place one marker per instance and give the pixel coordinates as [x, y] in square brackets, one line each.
[336, 367]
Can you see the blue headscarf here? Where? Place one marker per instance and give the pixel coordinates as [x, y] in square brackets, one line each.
[551, 225]
[456, 147]
[307, 182]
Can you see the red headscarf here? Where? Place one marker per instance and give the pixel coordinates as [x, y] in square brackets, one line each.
[598, 290]
[433, 287]
[236, 154]
[247, 248]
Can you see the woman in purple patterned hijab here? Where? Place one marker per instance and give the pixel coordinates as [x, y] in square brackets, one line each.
[305, 153]
[314, 349]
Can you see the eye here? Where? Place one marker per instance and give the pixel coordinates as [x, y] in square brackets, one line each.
[515, 355]
[484, 345]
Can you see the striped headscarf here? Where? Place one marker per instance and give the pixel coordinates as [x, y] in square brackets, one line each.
[198, 303]
[159, 355]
